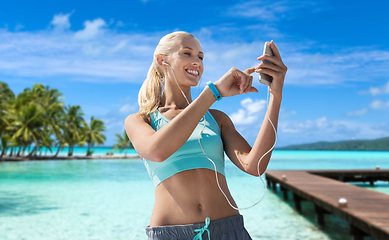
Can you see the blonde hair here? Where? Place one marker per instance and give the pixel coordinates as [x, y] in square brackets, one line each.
[150, 94]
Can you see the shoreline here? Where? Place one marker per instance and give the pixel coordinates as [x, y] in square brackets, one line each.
[43, 158]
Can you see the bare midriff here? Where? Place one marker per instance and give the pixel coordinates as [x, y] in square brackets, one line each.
[189, 197]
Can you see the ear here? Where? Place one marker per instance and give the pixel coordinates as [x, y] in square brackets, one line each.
[160, 59]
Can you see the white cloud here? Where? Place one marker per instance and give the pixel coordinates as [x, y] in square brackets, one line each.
[321, 129]
[113, 117]
[111, 57]
[305, 126]
[120, 24]
[308, 63]
[92, 29]
[126, 57]
[285, 113]
[250, 112]
[119, 46]
[274, 11]
[357, 113]
[18, 27]
[127, 108]
[61, 21]
[324, 129]
[377, 90]
[378, 104]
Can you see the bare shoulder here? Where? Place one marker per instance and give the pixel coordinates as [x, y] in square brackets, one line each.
[221, 118]
[137, 118]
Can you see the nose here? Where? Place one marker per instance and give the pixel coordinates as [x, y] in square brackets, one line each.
[197, 61]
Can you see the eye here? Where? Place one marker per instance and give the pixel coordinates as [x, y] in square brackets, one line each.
[187, 53]
[201, 57]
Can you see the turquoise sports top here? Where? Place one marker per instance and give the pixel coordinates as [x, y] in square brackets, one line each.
[190, 155]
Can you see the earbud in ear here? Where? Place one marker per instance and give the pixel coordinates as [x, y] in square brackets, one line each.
[164, 63]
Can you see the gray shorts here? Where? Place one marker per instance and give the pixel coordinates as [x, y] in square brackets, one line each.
[230, 228]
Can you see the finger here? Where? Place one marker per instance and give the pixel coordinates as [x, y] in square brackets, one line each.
[269, 66]
[272, 59]
[253, 89]
[268, 72]
[249, 81]
[249, 70]
[275, 50]
[241, 77]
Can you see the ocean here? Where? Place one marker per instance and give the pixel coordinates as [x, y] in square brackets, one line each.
[113, 198]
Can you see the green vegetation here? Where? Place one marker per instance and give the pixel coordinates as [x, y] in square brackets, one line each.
[381, 144]
[37, 119]
[122, 143]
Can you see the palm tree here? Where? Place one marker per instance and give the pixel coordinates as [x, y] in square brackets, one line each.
[92, 133]
[5, 143]
[122, 142]
[47, 142]
[28, 127]
[7, 98]
[74, 123]
[37, 117]
[55, 117]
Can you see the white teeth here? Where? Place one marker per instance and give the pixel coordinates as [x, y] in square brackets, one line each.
[193, 72]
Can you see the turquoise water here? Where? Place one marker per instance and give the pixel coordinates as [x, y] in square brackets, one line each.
[113, 199]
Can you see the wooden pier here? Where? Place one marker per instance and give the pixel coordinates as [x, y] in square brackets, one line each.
[367, 211]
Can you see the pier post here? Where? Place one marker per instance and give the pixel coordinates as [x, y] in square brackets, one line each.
[297, 202]
[357, 233]
[268, 181]
[320, 215]
[284, 193]
[274, 185]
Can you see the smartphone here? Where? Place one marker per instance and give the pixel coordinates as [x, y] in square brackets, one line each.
[264, 78]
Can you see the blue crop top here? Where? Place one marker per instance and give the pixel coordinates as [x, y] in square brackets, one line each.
[190, 155]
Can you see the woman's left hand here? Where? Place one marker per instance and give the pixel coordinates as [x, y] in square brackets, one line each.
[275, 68]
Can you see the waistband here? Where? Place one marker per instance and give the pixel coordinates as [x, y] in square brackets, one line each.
[216, 227]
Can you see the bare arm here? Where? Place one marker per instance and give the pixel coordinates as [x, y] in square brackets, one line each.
[240, 152]
[159, 145]
[236, 147]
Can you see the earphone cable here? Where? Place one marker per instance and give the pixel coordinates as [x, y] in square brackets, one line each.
[215, 168]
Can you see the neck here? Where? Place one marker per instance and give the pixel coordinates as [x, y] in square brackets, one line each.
[173, 97]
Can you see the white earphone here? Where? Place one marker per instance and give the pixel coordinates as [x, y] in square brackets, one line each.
[167, 64]
[217, 179]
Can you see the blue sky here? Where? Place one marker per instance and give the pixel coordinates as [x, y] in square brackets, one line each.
[97, 54]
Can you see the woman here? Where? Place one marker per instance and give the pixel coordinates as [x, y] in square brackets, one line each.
[176, 135]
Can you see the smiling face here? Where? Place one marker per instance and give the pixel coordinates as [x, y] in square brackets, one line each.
[186, 59]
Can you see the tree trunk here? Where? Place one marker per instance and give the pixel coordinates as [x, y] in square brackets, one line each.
[88, 151]
[59, 149]
[12, 150]
[19, 150]
[33, 150]
[24, 149]
[125, 152]
[70, 153]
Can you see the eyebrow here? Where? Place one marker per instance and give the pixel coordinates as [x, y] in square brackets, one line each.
[192, 50]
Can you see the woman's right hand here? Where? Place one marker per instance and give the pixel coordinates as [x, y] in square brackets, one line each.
[235, 82]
